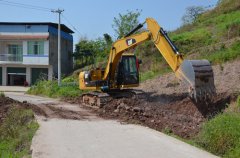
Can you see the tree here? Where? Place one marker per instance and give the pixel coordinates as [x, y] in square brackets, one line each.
[124, 23]
[88, 51]
[108, 39]
[84, 52]
[192, 13]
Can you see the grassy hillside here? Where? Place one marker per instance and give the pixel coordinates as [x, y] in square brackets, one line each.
[215, 36]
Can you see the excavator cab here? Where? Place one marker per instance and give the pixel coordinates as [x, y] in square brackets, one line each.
[128, 71]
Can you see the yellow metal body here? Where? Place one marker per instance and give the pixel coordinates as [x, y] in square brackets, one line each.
[197, 74]
[120, 46]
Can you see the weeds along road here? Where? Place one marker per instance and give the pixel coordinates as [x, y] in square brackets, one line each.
[68, 130]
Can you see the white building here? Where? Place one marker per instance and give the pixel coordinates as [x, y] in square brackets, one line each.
[28, 52]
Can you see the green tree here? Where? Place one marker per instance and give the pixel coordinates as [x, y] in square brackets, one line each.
[87, 52]
[124, 23]
[108, 39]
[191, 14]
[84, 52]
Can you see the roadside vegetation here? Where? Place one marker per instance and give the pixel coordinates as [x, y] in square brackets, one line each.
[51, 89]
[221, 135]
[17, 128]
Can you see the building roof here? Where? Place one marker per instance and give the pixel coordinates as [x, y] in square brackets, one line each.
[55, 25]
[23, 37]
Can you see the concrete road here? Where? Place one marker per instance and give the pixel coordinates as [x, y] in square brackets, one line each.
[94, 137]
[13, 89]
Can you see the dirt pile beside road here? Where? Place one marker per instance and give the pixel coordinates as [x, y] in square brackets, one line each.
[6, 103]
[181, 117]
[226, 76]
[165, 105]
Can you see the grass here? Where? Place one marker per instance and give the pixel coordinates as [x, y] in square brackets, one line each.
[221, 135]
[224, 54]
[152, 74]
[51, 89]
[16, 133]
[238, 101]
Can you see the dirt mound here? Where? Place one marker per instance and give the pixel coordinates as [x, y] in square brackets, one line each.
[166, 107]
[5, 104]
[226, 76]
[182, 116]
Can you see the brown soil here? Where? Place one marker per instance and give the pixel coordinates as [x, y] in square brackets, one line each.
[6, 103]
[226, 76]
[182, 117]
[165, 105]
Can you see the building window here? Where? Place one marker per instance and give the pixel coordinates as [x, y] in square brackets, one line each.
[36, 47]
[15, 52]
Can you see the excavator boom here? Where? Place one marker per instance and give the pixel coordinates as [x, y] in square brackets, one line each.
[197, 75]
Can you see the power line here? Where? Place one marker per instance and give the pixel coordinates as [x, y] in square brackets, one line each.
[39, 8]
[74, 28]
[27, 6]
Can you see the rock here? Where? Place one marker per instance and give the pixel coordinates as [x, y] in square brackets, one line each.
[121, 106]
[152, 121]
[145, 114]
[127, 107]
[147, 108]
[137, 109]
[116, 111]
[24, 102]
[115, 106]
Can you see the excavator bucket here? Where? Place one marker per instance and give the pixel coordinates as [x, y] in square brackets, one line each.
[198, 76]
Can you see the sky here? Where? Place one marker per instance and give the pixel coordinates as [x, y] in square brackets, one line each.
[93, 18]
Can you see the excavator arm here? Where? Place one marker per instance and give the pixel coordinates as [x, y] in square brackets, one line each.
[197, 75]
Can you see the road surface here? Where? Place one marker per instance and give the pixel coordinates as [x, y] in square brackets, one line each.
[89, 136]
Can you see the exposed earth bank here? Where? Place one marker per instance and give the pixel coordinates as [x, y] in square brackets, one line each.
[165, 106]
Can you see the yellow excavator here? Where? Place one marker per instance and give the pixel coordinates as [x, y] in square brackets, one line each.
[122, 70]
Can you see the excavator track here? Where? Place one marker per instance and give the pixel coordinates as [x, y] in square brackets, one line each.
[99, 99]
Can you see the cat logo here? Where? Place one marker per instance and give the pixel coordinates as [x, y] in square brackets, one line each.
[130, 41]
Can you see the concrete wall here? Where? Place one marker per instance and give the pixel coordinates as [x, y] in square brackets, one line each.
[66, 55]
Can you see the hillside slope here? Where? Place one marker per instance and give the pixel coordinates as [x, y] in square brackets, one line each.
[215, 36]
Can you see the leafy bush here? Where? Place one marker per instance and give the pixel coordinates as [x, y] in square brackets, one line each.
[221, 135]
[51, 89]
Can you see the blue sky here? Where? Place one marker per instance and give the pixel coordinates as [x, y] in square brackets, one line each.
[93, 18]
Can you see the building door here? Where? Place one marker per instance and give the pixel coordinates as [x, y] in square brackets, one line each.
[16, 76]
[39, 74]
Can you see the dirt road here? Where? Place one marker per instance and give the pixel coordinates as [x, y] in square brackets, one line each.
[68, 130]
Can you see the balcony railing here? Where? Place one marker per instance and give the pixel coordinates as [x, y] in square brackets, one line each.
[11, 57]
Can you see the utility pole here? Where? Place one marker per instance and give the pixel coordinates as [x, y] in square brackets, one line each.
[59, 11]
